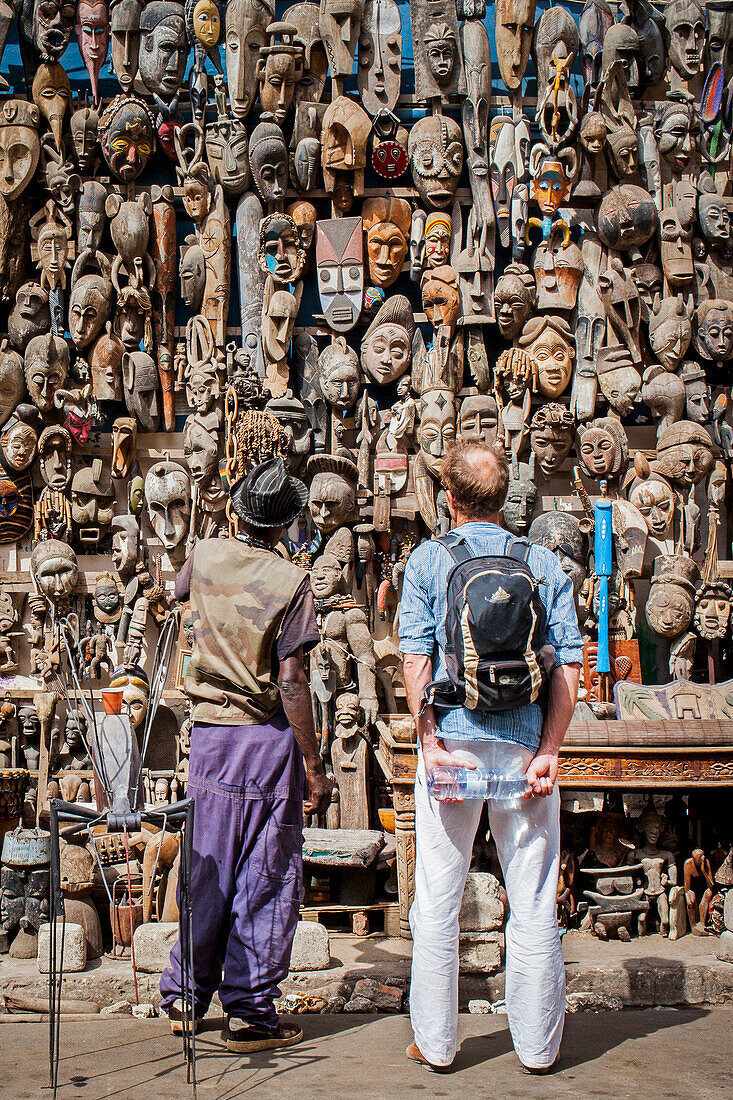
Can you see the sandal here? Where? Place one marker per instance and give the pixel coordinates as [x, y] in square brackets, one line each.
[244, 1038]
[414, 1053]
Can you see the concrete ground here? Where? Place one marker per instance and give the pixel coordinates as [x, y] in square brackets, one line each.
[660, 1053]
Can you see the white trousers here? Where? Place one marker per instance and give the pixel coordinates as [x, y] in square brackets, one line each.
[527, 836]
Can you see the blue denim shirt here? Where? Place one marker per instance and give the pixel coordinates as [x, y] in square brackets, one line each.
[422, 628]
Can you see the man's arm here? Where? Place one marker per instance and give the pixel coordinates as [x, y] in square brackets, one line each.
[418, 674]
[542, 770]
[296, 699]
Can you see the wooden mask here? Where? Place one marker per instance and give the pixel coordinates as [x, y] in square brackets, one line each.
[84, 128]
[168, 500]
[46, 365]
[227, 151]
[339, 256]
[387, 225]
[245, 30]
[140, 383]
[344, 136]
[505, 172]
[92, 32]
[163, 48]
[305, 18]
[558, 269]
[30, 316]
[52, 95]
[268, 158]
[125, 30]
[595, 19]
[20, 146]
[550, 343]
[685, 23]
[279, 68]
[437, 45]
[475, 109]
[380, 56]
[435, 149]
[280, 252]
[514, 28]
[127, 136]
[627, 217]
[340, 22]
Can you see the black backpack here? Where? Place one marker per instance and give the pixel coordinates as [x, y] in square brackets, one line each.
[494, 627]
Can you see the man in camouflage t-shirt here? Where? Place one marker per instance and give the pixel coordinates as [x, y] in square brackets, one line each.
[253, 620]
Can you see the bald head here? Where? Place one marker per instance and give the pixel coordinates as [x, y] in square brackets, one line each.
[476, 476]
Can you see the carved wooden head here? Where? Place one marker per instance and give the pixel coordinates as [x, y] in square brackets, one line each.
[245, 33]
[435, 149]
[380, 56]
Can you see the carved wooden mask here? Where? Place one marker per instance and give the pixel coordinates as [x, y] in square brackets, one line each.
[380, 56]
[339, 256]
[340, 23]
[163, 48]
[305, 18]
[245, 30]
[435, 149]
[437, 45]
[92, 32]
[125, 30]
[20, 146]
[127, 137]
[514, 29]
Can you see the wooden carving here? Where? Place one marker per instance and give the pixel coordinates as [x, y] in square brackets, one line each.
[380, 56]
[339, 255]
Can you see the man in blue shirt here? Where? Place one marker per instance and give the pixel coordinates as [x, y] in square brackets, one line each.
[527, 835]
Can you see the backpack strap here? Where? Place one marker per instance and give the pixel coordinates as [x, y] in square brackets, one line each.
[456, 546]
[518, 549]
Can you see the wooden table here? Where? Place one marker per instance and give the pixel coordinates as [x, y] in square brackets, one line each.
[596, 756]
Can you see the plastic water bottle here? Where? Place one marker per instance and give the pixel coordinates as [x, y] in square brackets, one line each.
[463, 783]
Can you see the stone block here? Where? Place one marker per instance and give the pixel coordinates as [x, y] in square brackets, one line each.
[479, 1008]
[593, 1002]
[153, 945]
[24, 946]
[74, 944]
[384, 998]
[311, 947]
[482, 908]
[725, 946]
[479, 952]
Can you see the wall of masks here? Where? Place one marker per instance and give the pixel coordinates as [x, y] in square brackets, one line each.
[350, 233]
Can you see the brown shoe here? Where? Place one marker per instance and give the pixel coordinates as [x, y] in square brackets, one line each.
[414, 1054]
[244, 1038]
[175, 1015]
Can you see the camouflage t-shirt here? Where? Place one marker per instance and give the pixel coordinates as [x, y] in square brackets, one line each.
[250, 609]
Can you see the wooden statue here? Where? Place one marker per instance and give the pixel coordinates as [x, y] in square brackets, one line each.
[163, 251]
[349, 761]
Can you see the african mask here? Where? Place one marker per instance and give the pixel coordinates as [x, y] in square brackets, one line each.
[386, 348]
[676, 248]
[105, 362]
[339, 256]
[627, 217]
[163, 47]
[345, 132]
[245, 35]
[332, 495]
[47, 26]
[670, 330]
[622, 146]
[89, 306]
[514, 28]
[558, 269]
[684, 454]
[698, 399]
[649, 281]
[133, 318]
[16, 505]
[521, 496]
[140, 383]
[107, 599]
[46, 366]
[268, 158]
[438, 61]
[685, 22]
[278, 320]
[677, 134]
[596, 18]
[603, 450]
[12, 382]
[280, 253]
[54, 457]
[52, 95]
[124, 439]
[515, 297]
[201, 452]
[714, 215]
[551, 437]
[621, 44]
[92, 32]
[671, 603]
[203, 390]
[135, 692]
[193, 274]
[437, 240]
[477, 419]
[561, 533]
[92, 502]
[435, 150]
[549, 341]
[339, 24]
[127, 137]
[657, 503]
[712, 610]
[125, 544]
[338, 374]
[714, 329]
[19, 440]
[618, 379]
[125, 32]
[551, 177]
[55, 569]
[475, 107]
[441, 298]
[305, 17]
[437, 430]
[387, 226]
[504, 171]
[227, 151]
[663, 394]
[30, 315]
[90, 217]
[380, 56]
[279, 68]
[168, 500]
[20, 146]
[293, 418]
[84, 128]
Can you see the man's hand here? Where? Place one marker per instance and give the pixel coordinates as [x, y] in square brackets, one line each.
[320, 787]
[541, 774]
[436, 755]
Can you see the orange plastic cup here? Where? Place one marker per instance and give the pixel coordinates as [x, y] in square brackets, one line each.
[112, 700]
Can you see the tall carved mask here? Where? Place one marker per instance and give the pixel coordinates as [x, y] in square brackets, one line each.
[20, 146]
[246, 23]
[125, 28]
[380, 56]
[305, 17]
[340, 23]
[504, 172]
[514, 28]
[92, 32]
[340, 260]
[140, 383]
[558, 269]
[168, 499]
[84, 128]
[595, 19]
